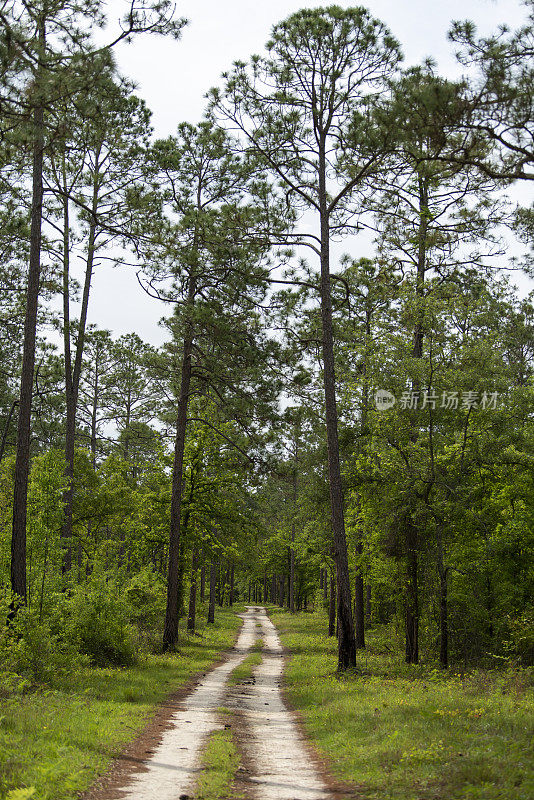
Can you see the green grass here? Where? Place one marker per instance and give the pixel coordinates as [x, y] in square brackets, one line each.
[244, 671]
[219, 763]
[57, 739]
[401, 733]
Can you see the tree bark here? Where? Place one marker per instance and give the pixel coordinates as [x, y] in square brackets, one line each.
[22, 459]
[193, 592]
[359, 620]
[213, 581]
[281, 590]
[412, 598]
[231, 597]
[332, 606]
[346, 638]
[73, 372]
[170, 631]
[292, 548]
[5, 433]
[368, 601]
[203, 579]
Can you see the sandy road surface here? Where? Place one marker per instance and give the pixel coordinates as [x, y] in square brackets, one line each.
[279, 765]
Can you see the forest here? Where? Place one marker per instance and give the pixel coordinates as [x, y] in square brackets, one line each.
[346, 440]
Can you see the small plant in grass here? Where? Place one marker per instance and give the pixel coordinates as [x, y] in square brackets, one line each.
[220, 763]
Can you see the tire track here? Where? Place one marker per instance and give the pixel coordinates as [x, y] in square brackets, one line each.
[280, 765]
[171, 770]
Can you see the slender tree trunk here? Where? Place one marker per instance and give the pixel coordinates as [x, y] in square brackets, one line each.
[281, 590]
[359, 621]
[170, 632]
[22, 460]
[94, 409]
[219, 590]
[265, 586]
[203, 579]
[73, 372]
[213, 581]
[325, 588]
[412, 598]
[193, 592]
[368, 599]
[443, 573]
[332, 606]
[5, 433]
[443, 621]
[292, 548]
[346, 638]
[231, 598]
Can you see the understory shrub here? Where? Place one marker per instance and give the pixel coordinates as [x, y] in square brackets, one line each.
[99, 622]
[145, 595]
[32, 653]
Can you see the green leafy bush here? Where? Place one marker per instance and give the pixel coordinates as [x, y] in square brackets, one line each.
[31, 653]
[99, 622]
[145, 595]
[521, 637]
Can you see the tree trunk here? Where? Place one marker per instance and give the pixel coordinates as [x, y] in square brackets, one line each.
[73, 372]
[170, 632]
[94, 409]
[5, 433]
[292, 548]
[203, 579]
[346, 638]
[231, 598]
[193, 592]
[412, 599]
[368, 599]
[213, 581]
[22, 460]
[359, 621]
[443, 573]
[443, 621]
[332, 606]
[281, 590]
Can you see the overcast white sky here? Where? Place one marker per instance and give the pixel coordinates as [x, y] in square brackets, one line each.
[173, 78]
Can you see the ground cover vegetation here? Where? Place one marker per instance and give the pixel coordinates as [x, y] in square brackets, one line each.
[326, 432]
[399, 732]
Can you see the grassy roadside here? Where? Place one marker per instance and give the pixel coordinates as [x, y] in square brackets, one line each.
[408, 733]
[57, 739]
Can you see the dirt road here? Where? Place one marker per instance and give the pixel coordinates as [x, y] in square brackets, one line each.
[277, 763]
